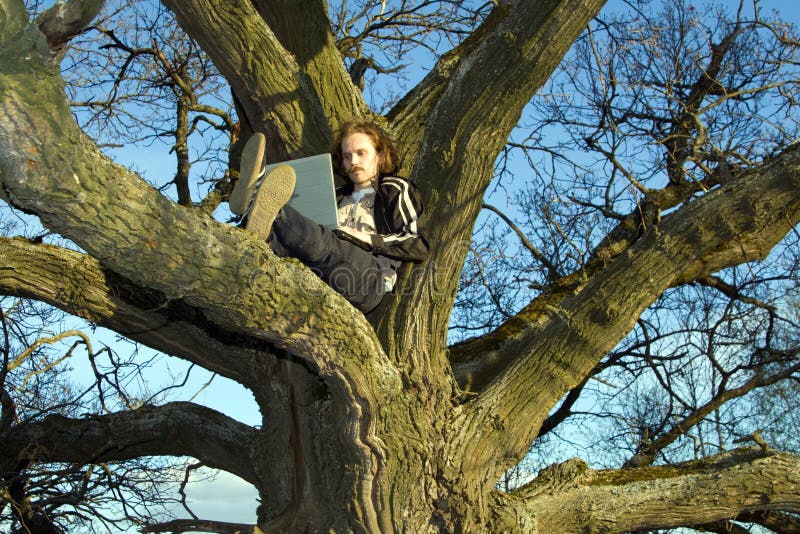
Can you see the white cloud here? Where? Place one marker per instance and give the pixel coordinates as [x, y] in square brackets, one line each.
[225, 497]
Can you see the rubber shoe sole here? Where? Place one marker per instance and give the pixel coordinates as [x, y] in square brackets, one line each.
[273, 195]
[251, 170]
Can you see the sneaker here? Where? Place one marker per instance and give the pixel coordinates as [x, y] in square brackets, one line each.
[251, 173]
[269, 199]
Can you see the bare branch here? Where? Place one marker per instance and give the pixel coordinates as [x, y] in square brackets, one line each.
[525, 242]
[174, 429]
[196, 525]
[761, 379]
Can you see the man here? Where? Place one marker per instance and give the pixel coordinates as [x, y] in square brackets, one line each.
[378, 215]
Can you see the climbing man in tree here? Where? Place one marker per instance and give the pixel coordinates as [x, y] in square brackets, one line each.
[378, 214]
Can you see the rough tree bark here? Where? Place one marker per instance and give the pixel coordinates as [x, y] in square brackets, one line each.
[365, 426]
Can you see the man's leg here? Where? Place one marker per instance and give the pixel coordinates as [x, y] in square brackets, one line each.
[347, 268]
[251, 173]
[260, 205]
[269, 199]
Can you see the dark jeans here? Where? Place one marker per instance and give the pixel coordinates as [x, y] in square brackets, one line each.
[347, 268]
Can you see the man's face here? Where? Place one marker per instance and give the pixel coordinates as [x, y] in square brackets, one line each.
[360, 160]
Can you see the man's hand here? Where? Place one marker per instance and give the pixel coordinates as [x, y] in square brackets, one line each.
[351, 234]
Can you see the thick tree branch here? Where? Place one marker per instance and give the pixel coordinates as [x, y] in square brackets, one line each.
[478, 361]
[67, 19]
[304, 29]
[77, 284]
[468, 104]
[174, 429]
[283, 93]
[555, 343]
[484, 83]
[571, 497]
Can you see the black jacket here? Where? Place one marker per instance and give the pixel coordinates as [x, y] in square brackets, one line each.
[397, 211]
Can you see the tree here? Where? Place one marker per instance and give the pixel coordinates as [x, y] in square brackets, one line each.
[373, 423]
[682, 382]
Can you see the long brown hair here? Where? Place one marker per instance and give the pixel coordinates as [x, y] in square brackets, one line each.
[381, 140]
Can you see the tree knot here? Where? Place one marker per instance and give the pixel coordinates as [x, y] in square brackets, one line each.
[559, 477]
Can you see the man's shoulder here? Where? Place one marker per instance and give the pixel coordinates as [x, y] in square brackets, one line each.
[391, 178]
[400, 191]
[396, 183]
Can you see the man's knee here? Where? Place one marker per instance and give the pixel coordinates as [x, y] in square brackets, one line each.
[362, 287]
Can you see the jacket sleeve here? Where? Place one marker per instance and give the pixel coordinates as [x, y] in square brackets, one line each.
[399, 208]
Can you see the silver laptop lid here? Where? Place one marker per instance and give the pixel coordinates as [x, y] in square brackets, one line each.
[315, 193]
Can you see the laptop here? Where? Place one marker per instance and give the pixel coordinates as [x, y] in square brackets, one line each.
[314, 192]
